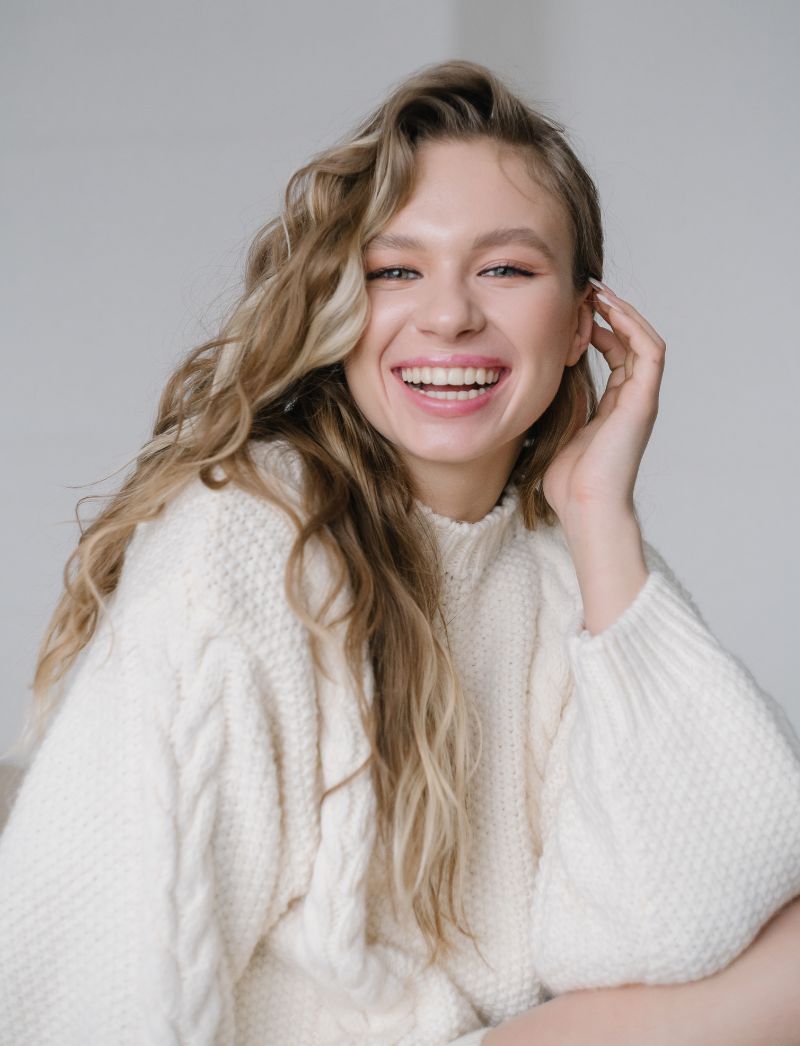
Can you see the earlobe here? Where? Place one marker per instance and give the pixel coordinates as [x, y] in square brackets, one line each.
[583, 335]
[578, 350]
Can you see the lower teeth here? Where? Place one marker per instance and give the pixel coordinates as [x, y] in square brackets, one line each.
[470, 394]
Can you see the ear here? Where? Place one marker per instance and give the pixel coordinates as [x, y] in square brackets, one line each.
[582, 337]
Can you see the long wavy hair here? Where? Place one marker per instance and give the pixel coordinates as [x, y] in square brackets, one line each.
[275, 371]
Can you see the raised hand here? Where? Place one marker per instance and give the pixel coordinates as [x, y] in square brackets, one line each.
[596, 472]
[590, 482]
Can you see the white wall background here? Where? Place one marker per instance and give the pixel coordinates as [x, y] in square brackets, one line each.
[686, 114]
[145, 143]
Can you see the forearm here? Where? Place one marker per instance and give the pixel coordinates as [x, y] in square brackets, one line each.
[609, 562]
[756, 997]
[752, 1002]
[633, 1015]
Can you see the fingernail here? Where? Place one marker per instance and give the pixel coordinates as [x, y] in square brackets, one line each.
[601, 286]
[604, 300]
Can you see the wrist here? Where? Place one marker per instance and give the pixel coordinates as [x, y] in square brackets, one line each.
[583, 521]
[608, 554]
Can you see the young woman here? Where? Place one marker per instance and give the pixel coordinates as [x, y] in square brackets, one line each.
[388, 725]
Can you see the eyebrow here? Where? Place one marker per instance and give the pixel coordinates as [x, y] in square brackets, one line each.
[495, 238]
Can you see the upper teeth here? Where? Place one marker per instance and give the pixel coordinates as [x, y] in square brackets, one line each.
[450, 375]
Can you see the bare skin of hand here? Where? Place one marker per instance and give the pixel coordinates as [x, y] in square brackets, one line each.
[595, 473]
[752, 1002]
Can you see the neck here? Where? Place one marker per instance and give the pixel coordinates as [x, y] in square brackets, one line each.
[463, 490]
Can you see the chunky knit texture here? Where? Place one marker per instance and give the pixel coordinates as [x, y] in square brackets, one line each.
[168, 874]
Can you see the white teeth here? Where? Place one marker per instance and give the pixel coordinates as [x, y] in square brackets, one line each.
[468, 394]
[450, 375]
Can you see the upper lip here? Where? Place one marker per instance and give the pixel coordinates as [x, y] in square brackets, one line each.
[461, 360]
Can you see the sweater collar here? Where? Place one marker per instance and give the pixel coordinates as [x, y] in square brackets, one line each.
[466, 549]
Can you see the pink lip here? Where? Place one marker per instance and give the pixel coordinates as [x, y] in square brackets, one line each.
[451, 408]
[451, 361]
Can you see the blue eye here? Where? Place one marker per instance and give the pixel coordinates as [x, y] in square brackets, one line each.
[384, 273]
[510, 268]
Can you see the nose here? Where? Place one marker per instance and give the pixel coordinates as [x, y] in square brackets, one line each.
[448, 309]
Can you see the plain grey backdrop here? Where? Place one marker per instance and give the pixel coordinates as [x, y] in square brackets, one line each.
[146, 142]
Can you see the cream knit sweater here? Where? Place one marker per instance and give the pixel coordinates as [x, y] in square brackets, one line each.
[167, 875]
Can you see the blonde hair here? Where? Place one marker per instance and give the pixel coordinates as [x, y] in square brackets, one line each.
[275, 372]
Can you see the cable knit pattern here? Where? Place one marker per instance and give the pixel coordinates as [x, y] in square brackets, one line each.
[171, 875]
[187, 990]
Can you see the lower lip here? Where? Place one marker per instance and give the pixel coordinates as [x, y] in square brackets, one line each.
[451, 408]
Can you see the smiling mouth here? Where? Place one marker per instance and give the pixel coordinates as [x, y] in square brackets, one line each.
[460, 383]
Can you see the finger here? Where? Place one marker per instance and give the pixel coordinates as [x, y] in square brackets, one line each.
[643, 361]
[624, 306]
[608, 343]
[631, 332]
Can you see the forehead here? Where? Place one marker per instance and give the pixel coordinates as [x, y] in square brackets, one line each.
[463, 189]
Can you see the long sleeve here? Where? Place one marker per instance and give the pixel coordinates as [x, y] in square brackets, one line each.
[472, 1038]
[127, 911]
[671, 802]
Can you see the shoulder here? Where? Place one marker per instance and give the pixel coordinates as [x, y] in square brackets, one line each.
[219, 552]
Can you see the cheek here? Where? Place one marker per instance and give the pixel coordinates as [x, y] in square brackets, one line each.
[383, 326]
[388, 312]
[363, 381]
[354, 372]
[363, 376]
[535, 314]
[365, 350]
[372, 338]
[549, 325]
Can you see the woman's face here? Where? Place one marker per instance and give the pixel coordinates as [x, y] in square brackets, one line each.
[448, 291]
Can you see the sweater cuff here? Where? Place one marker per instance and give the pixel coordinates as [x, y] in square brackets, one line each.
[473, 1038]
[657, 646]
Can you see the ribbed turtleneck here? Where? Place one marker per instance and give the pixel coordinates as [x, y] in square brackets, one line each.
[467, 549]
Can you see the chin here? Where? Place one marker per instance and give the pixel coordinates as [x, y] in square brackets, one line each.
[444, 455]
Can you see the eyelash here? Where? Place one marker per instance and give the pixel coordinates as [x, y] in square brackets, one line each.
[515, 269]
